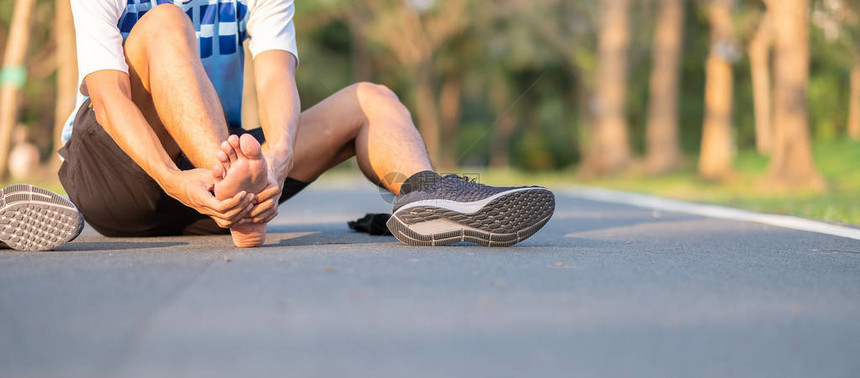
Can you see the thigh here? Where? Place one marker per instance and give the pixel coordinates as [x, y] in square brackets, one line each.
[326, 134]
[115, 195]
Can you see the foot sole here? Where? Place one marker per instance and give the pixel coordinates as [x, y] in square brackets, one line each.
[504, 221]
[36, 219]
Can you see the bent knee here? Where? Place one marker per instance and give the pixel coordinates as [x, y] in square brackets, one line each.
[165, 16]
[371, 93]
[378, 97]
[164, 24]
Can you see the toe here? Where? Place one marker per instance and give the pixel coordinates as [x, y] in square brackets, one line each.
[222, 157]
[228, 149]
[218, 173]
[250, 147]
[234, 141]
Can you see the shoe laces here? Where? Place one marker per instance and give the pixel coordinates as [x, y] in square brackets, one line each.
[465, 178]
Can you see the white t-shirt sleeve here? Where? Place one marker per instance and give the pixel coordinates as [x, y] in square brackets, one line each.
[99, 42]
[270, 27]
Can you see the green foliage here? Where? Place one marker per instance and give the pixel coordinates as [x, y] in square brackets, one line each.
[549, 76]
[325, 64]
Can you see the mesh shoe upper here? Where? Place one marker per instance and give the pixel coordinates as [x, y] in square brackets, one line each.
[452, 188]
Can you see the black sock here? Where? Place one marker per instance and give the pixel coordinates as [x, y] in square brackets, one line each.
[291, 188]
[419, 181]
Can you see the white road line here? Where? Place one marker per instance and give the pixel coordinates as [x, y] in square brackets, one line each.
[711, 211]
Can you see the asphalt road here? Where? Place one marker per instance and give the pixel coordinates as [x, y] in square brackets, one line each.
[602, 290]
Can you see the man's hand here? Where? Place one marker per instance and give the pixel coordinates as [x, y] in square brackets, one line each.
[110, 92]
[193, 189]
[266, 207]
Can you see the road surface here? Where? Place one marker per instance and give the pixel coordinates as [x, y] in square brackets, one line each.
[603, 290]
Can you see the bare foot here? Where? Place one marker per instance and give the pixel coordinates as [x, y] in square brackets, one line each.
[242, 168]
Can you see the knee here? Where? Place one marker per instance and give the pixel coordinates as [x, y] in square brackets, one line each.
[370, 94]
[164, 24]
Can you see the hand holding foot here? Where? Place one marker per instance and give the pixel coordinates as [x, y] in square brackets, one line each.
[242, 168]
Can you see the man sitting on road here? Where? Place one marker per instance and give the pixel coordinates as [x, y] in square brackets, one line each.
[156, 146]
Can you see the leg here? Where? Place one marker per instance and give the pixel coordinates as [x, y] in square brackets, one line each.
[366, 121]
[369, 122]
[171, 88]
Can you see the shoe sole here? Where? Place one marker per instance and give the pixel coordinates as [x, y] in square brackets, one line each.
[499, 221]
[36, 219]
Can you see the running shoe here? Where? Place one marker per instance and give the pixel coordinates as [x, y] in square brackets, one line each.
[36, 219]
[454, 209]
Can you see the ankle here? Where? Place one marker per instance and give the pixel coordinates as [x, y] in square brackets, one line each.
[419, 181]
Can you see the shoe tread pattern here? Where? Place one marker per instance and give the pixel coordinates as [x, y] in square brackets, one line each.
[505, 221]
[35, 219]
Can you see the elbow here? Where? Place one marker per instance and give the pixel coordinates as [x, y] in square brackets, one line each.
[109, 91]
[99, 108]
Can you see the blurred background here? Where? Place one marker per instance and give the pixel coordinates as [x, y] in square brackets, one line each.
[749, 103]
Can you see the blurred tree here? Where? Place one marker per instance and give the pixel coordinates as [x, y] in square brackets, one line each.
[500, 98]
[13, 76]
[608, 147]
[854, 103]
[759, 54]
[791, 162]
[556, 40]
[456, 61]
[413, 31]
[663, 152]
[450, 99]
[67, 69]
[849, 15]
[715, 162]
[854, 106]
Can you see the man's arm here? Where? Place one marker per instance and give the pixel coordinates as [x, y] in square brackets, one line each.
[279, 109]
[110, 93]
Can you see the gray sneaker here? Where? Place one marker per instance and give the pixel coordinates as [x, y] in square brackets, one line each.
[453, 209]
[36, 219]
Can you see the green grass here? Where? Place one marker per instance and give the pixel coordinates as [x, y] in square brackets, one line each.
[838, 161]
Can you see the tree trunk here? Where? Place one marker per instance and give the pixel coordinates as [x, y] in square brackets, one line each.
[67, 70]
[663, 151]
[500, 98]
[449, 107]
[425, 106]
[854, 107]
[608, 148]
[791, 163]
[715, 162]
[759, 53]
[500, 151]
[13, 76]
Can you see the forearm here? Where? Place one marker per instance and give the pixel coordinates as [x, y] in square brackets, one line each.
[279, 116]
[126, 125]
[279, 107]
